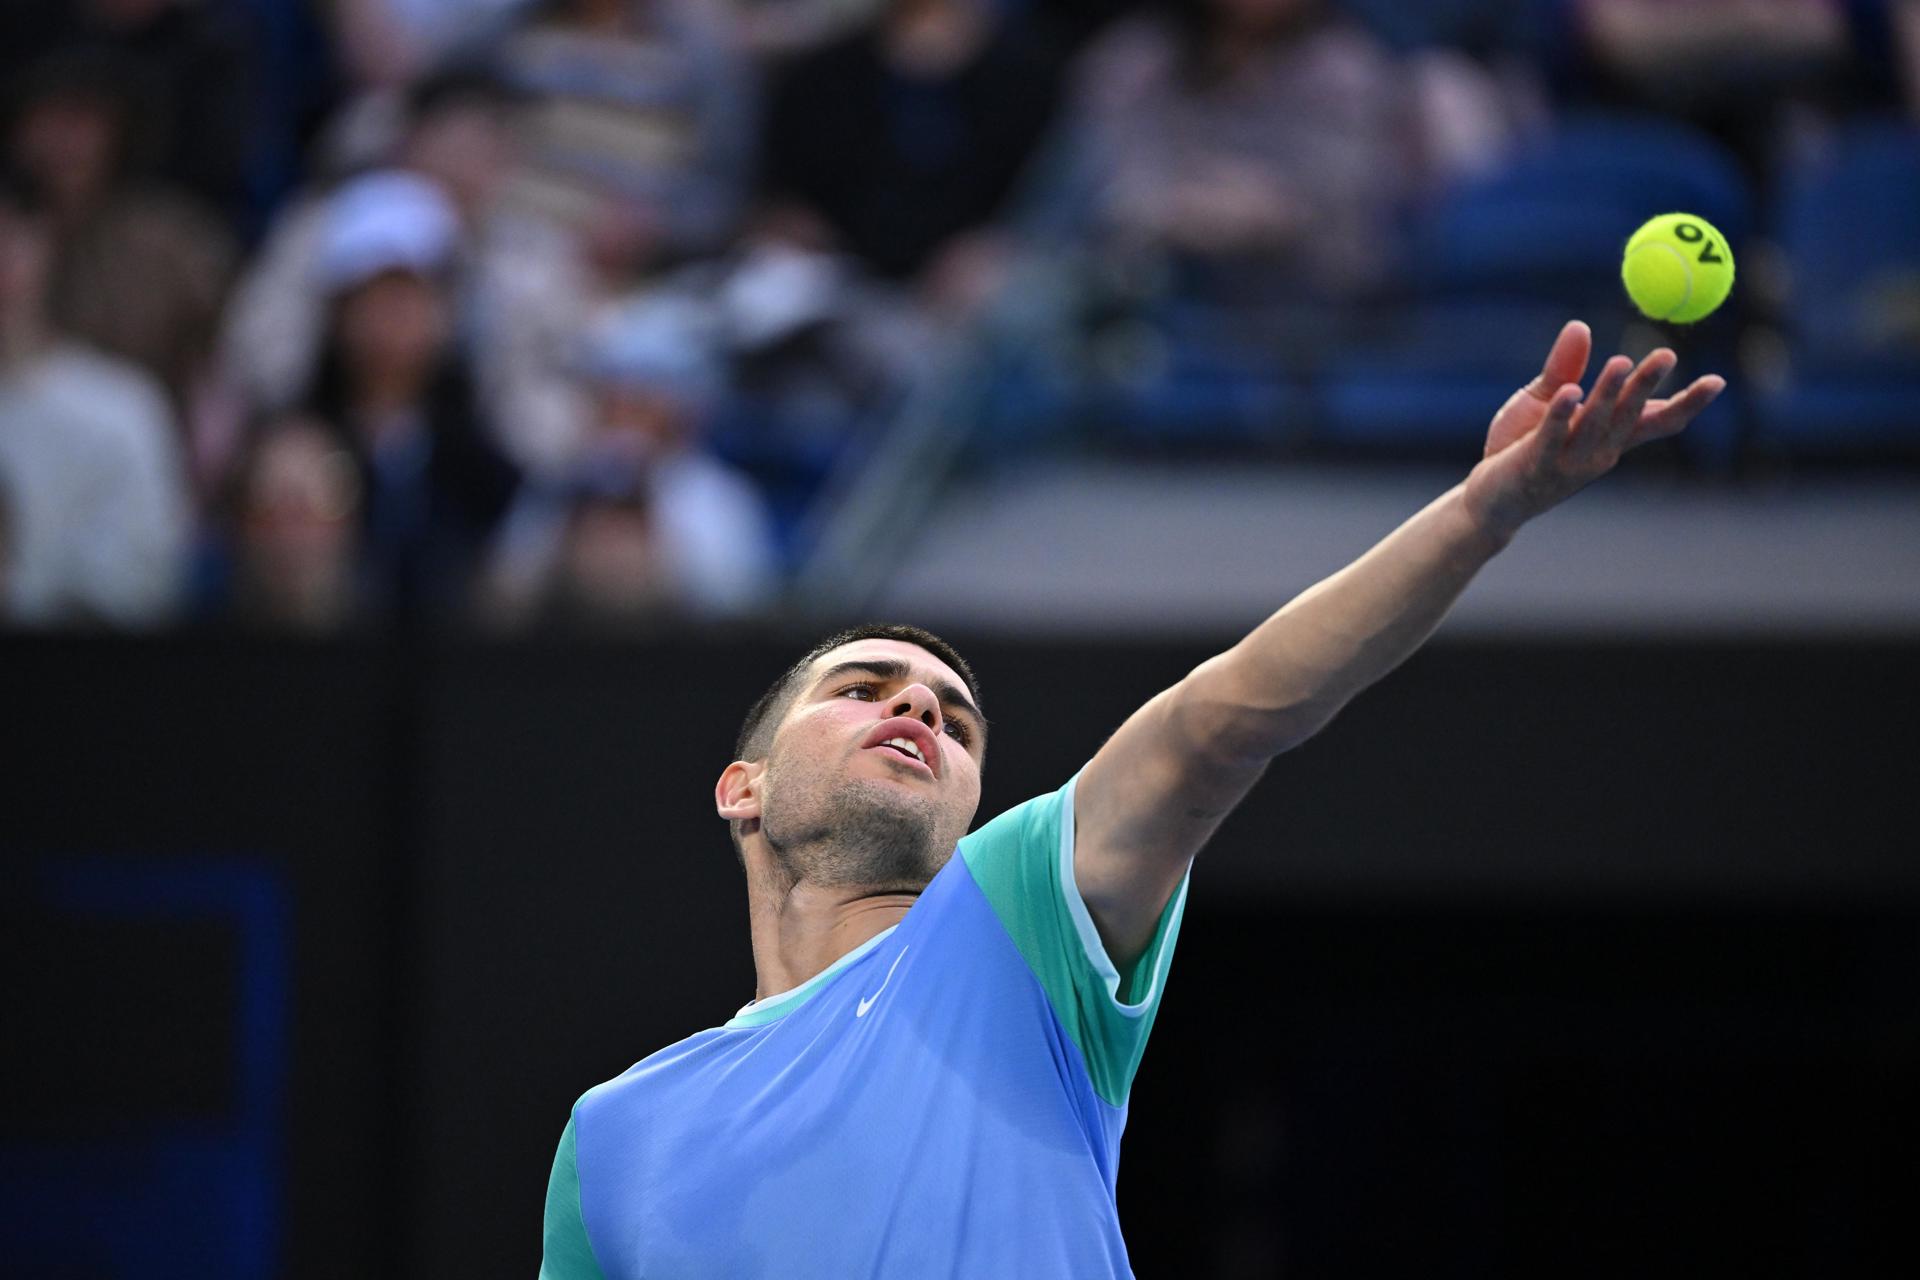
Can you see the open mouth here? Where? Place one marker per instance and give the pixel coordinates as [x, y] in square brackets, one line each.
[904, 746]
[905, 737]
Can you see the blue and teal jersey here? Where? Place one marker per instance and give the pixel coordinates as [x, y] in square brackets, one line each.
[945, 1100]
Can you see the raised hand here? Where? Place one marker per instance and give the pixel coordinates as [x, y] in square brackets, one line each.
[1545, 445]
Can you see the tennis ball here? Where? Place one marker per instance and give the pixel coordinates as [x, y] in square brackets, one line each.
[1677, 267]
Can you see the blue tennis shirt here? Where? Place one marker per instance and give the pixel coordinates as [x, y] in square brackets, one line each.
[945, 1100]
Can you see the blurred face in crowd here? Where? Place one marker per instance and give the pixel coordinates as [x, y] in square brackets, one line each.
[643, 421]
[26, 251]
[843, 807]
[393, 326]
[611, 566]
[467, 146]
[70, 143]
[298, 524]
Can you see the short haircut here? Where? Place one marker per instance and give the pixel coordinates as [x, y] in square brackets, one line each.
[756, 731]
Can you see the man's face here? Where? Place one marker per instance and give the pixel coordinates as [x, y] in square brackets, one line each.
[468, 148]
[70, 143]
[874, 771]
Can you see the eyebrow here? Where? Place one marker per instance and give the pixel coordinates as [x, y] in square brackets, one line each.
[950, 694]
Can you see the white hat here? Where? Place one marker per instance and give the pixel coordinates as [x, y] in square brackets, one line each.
[662, 343]
[386, 221]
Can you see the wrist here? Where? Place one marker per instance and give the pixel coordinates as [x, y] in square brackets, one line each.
[1491, 522]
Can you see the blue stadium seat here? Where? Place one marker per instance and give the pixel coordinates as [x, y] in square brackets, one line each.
[1849, 224]
[790, 451]
[1550, 224]
[1205, 380]
[1504, 260]
[1430, 383]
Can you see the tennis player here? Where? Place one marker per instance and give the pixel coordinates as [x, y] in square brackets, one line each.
[932, 1078]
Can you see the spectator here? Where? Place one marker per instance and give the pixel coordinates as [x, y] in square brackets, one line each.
[296, 528]
[1264, 144]
[194, 63]
[639, 129]
[651, 364]
[901, 144]
[1736, 68]
[519, 285]
[140, 271]
[611, 570]
[392, 387]
[89, 461]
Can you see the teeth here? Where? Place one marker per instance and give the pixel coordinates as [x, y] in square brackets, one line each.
[907, 745]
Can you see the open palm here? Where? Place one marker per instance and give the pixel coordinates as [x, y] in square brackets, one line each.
[1545, 445]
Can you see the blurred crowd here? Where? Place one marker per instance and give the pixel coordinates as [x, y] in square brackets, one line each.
[326, 313]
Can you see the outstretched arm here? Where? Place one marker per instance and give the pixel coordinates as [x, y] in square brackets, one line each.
[1160, 786]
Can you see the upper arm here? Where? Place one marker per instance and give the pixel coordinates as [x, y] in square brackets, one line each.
[566, 1253]
[1151, 797]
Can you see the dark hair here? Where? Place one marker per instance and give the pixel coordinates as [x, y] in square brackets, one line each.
[462, 84]
[112, 81]
[756, 731]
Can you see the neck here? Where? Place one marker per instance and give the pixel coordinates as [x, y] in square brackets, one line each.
[799, 929]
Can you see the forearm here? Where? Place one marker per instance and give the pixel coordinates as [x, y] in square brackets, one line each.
[1293, 673]
[1159, 787]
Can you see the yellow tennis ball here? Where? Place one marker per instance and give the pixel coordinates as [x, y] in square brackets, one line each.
[1678, 268]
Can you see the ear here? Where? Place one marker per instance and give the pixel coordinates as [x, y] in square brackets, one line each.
[737, 795]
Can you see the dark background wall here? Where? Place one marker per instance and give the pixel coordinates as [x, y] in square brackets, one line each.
[1542, 959]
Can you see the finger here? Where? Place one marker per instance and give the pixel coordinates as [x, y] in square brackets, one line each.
[1606, 393]
[1663, 418]
[1558, 424]
[1566, 361]
[1639, 388]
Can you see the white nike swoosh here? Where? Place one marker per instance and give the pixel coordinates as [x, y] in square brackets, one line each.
[867, 1004]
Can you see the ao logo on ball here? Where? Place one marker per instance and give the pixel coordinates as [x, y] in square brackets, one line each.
[1678, 268]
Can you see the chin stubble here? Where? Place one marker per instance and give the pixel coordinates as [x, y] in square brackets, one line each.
[862, 835]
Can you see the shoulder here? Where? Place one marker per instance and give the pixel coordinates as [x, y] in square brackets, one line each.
[116, 399]
[647, 1080]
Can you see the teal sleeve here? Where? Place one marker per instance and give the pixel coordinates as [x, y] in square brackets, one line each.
[1023, 863]
[566, 1254]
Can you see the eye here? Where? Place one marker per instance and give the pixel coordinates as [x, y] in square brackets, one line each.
[863, 687]
[959, 731]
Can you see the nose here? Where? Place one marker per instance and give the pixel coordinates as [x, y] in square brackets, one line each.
[917, 700]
